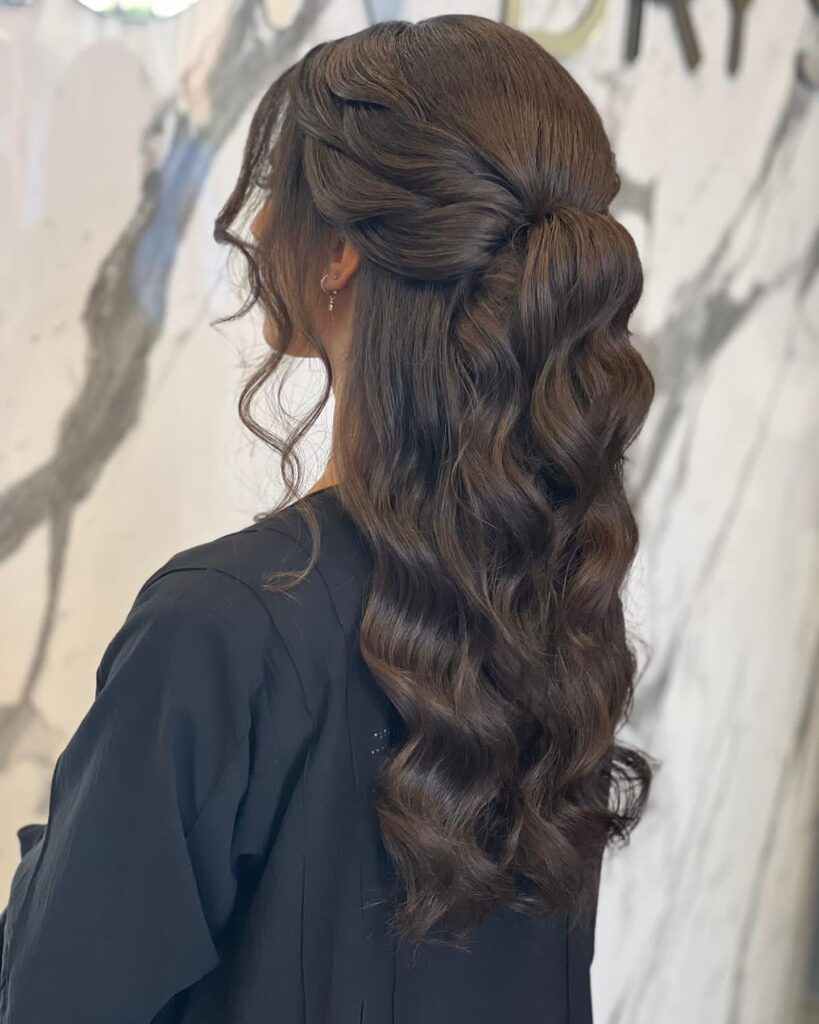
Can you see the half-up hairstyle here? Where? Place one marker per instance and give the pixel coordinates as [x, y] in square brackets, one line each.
[489, 397]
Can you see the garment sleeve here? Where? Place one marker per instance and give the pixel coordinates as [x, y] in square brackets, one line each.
[111, 912]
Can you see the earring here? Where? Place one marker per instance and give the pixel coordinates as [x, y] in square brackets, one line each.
[332, 293]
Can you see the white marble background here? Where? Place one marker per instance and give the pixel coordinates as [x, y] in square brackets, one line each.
[120, 441]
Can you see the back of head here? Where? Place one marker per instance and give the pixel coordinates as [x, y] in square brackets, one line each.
[489, 398]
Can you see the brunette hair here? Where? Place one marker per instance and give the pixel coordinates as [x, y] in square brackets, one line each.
[490, 395]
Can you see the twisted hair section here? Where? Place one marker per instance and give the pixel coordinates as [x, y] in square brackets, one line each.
[490, 396]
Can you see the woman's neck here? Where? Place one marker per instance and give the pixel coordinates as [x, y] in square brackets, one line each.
[327, 478]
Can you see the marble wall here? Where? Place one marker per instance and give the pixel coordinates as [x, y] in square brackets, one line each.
[121, 445]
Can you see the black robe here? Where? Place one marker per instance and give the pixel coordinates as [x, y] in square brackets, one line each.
[212, 855]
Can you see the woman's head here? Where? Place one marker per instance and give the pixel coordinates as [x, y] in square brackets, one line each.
[456, 181]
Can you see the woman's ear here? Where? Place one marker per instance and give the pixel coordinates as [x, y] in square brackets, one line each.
[342, 262]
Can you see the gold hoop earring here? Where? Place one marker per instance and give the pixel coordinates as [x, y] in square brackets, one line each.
[331, 292]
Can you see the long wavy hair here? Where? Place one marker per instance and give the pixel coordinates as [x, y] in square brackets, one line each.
[490, 395]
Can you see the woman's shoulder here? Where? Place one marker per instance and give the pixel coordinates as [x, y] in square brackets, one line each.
[210, 602]
[223, 578]
[203, 632]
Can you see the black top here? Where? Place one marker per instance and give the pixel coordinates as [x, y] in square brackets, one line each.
[212, 854]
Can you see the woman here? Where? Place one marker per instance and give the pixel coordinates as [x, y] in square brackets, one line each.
[356, 762]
